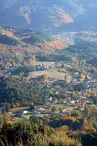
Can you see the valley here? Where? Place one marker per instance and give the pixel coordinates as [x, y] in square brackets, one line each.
[48, 73]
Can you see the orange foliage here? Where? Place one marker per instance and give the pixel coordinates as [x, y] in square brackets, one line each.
[8, 33]
[32, 62]
[0, 112]
[87, 129]
[59, 17]
[64, 128]
[76, 73]
[75, 59]
[82, 76]
[54, 45]
[94, 93]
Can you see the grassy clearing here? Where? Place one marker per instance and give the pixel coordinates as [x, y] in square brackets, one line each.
[52, 73]
[20, 108]
[62, 106]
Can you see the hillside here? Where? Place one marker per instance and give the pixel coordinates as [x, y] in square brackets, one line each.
[27, 39]
[13, 40]
[48, 15]
[23, 49]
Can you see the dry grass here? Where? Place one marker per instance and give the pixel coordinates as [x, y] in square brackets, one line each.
[50, 73]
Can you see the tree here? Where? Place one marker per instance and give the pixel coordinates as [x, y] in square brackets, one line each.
[53, 109]
[32, 107]
[86, 112]
[60, 110]
[73, 94]
[64, 128]
[44, 99]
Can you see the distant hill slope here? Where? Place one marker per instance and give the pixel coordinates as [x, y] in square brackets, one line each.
[28, 40]
[49, 15]
[14, 40]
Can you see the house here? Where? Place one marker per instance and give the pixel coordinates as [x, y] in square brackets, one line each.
[17, 113]
[83, 97]
[72, 101]
[25, 112]
[56, 101]
[80, 105]
[40, 110]
[64, 101]
[68, 94]
[50, 99]
[69, 104]
[25, 116]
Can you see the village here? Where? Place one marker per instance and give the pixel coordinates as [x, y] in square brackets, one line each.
[70, 87]
[71, 93]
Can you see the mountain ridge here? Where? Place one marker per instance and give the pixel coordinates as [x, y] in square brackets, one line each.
[46, 15]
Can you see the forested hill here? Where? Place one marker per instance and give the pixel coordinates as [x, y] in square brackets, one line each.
[49, 15]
